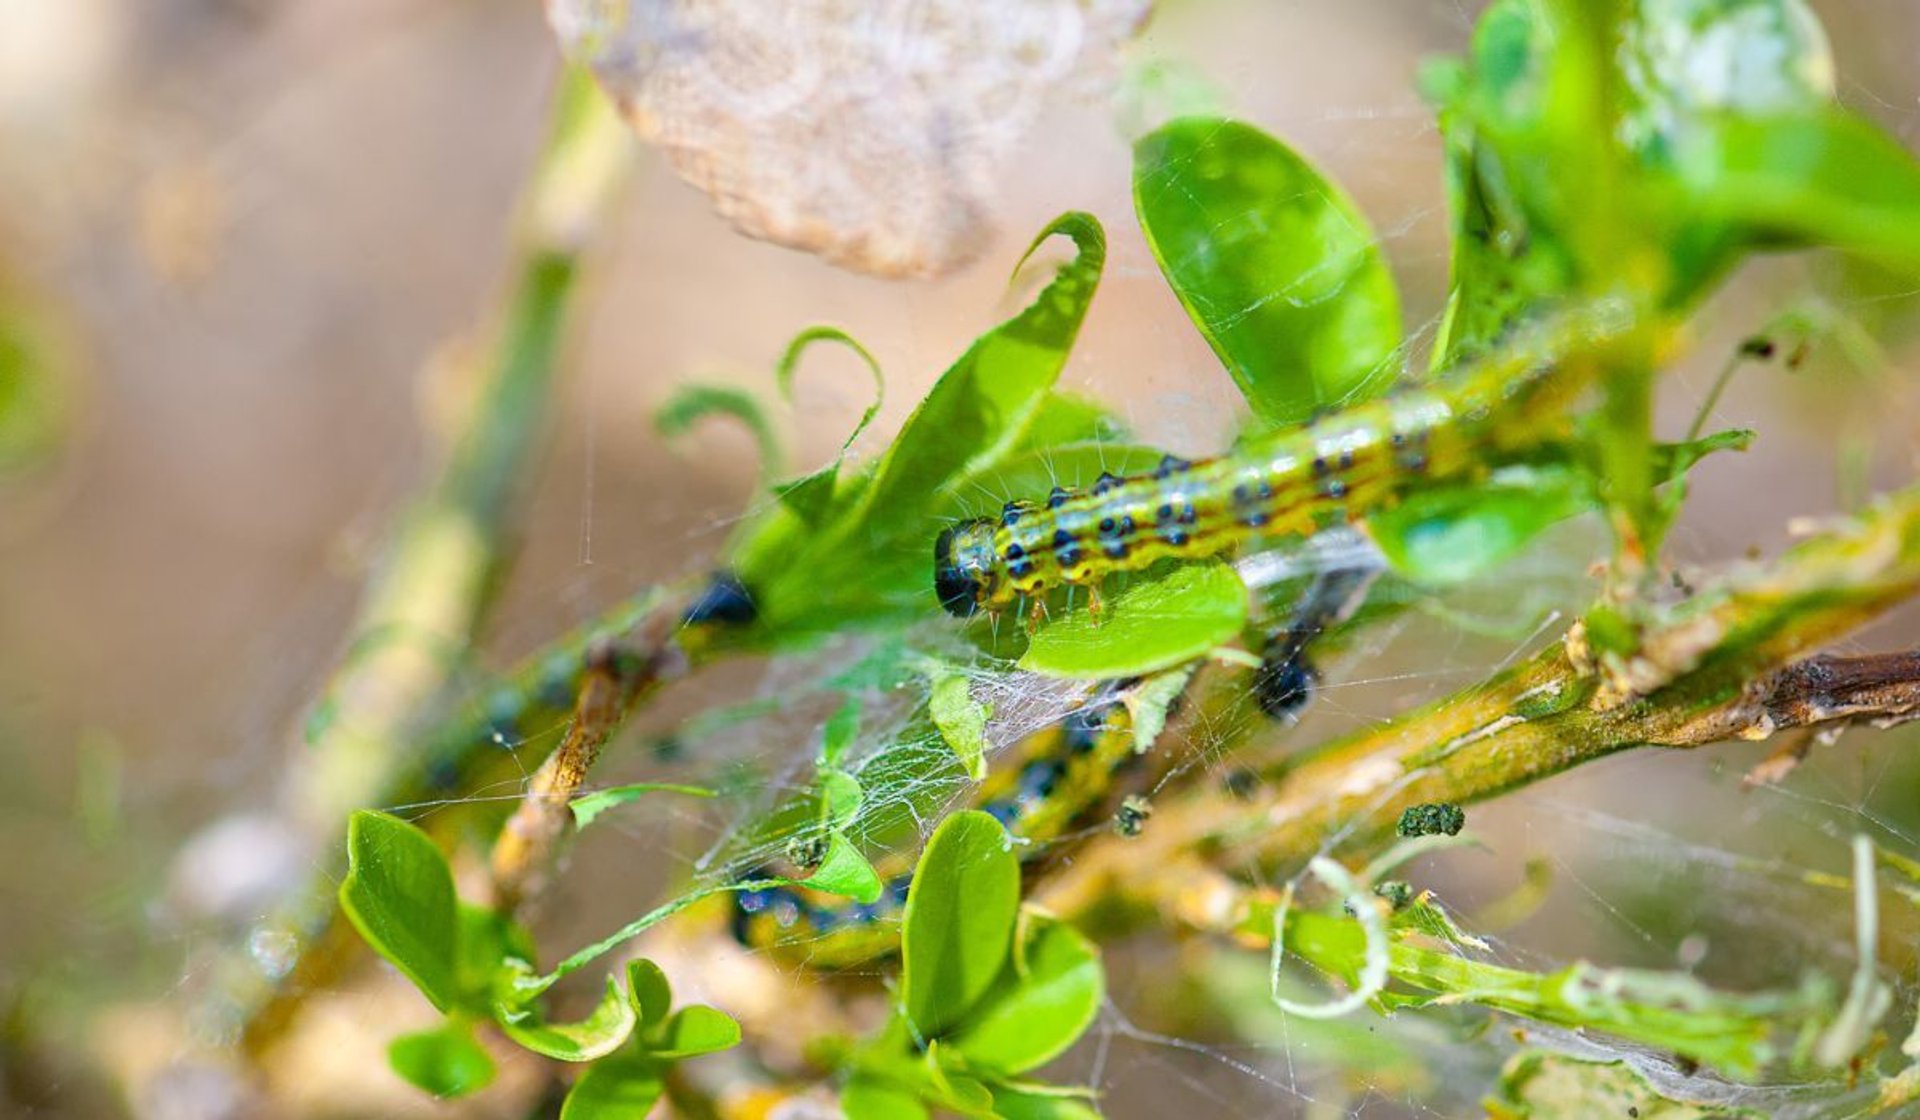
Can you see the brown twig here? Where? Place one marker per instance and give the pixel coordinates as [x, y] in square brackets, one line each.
[617, 675]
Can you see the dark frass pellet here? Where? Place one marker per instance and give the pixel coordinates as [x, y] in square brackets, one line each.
[1132, 816]
[1432, 820]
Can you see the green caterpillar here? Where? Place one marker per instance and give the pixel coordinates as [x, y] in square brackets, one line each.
[1290, 483]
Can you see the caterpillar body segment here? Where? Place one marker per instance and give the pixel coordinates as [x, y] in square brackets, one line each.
[1062, 775]
[1285, 484]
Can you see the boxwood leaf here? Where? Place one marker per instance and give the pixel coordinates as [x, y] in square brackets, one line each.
[1275, 264]
[844, 871]
[615, 1089]
[962, 721]
[870, 1098]
[1154, 624]
[399, 894]
[958, 921]
[696, 1030]
[692, 403]
[596, 1036]
[870, 559]
[1012, 1102]
[1823, 177]
[649, 990]
[589, 806]
[1033, 1013]
[1454, 533]
[446, 1061]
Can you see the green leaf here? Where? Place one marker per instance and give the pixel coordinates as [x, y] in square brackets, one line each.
[1042, 1003]
[870, 1098]
[1064, 418]
[962, 721]
[486, 941]
[691, 403]
[811, 495]
[952, 1087]
[1454, 533]
[1150, 702]
[1028, 1103]
[399, 894]
[589, 806]
[1818, 178]
[694, 1031]
[790, 360]
[958, 921]
[1275, 264]
[981, 406]
[844, 871]
[446, 1061]
[649, 990]
[615, 1089]
[596, 1036]
[1507, 260]
[1154, 624]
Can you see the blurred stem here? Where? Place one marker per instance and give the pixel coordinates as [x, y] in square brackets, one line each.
[429, 595]
[1725, 665]
[427, 599]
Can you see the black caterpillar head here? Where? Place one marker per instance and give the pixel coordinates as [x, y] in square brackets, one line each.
[963, 561]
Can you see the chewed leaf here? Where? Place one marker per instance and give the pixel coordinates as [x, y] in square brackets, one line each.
[958, 921]
[811, 495]
[596, 1036]
[1275, 264]
[866, 558]
[692, 403]
[1155, 624]
[399, 894]
[844, 871]
[980, 407]
[588, 807]
[962, 721]
[790, 360]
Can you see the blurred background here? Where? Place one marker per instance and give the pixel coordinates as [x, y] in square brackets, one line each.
[242, 240]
